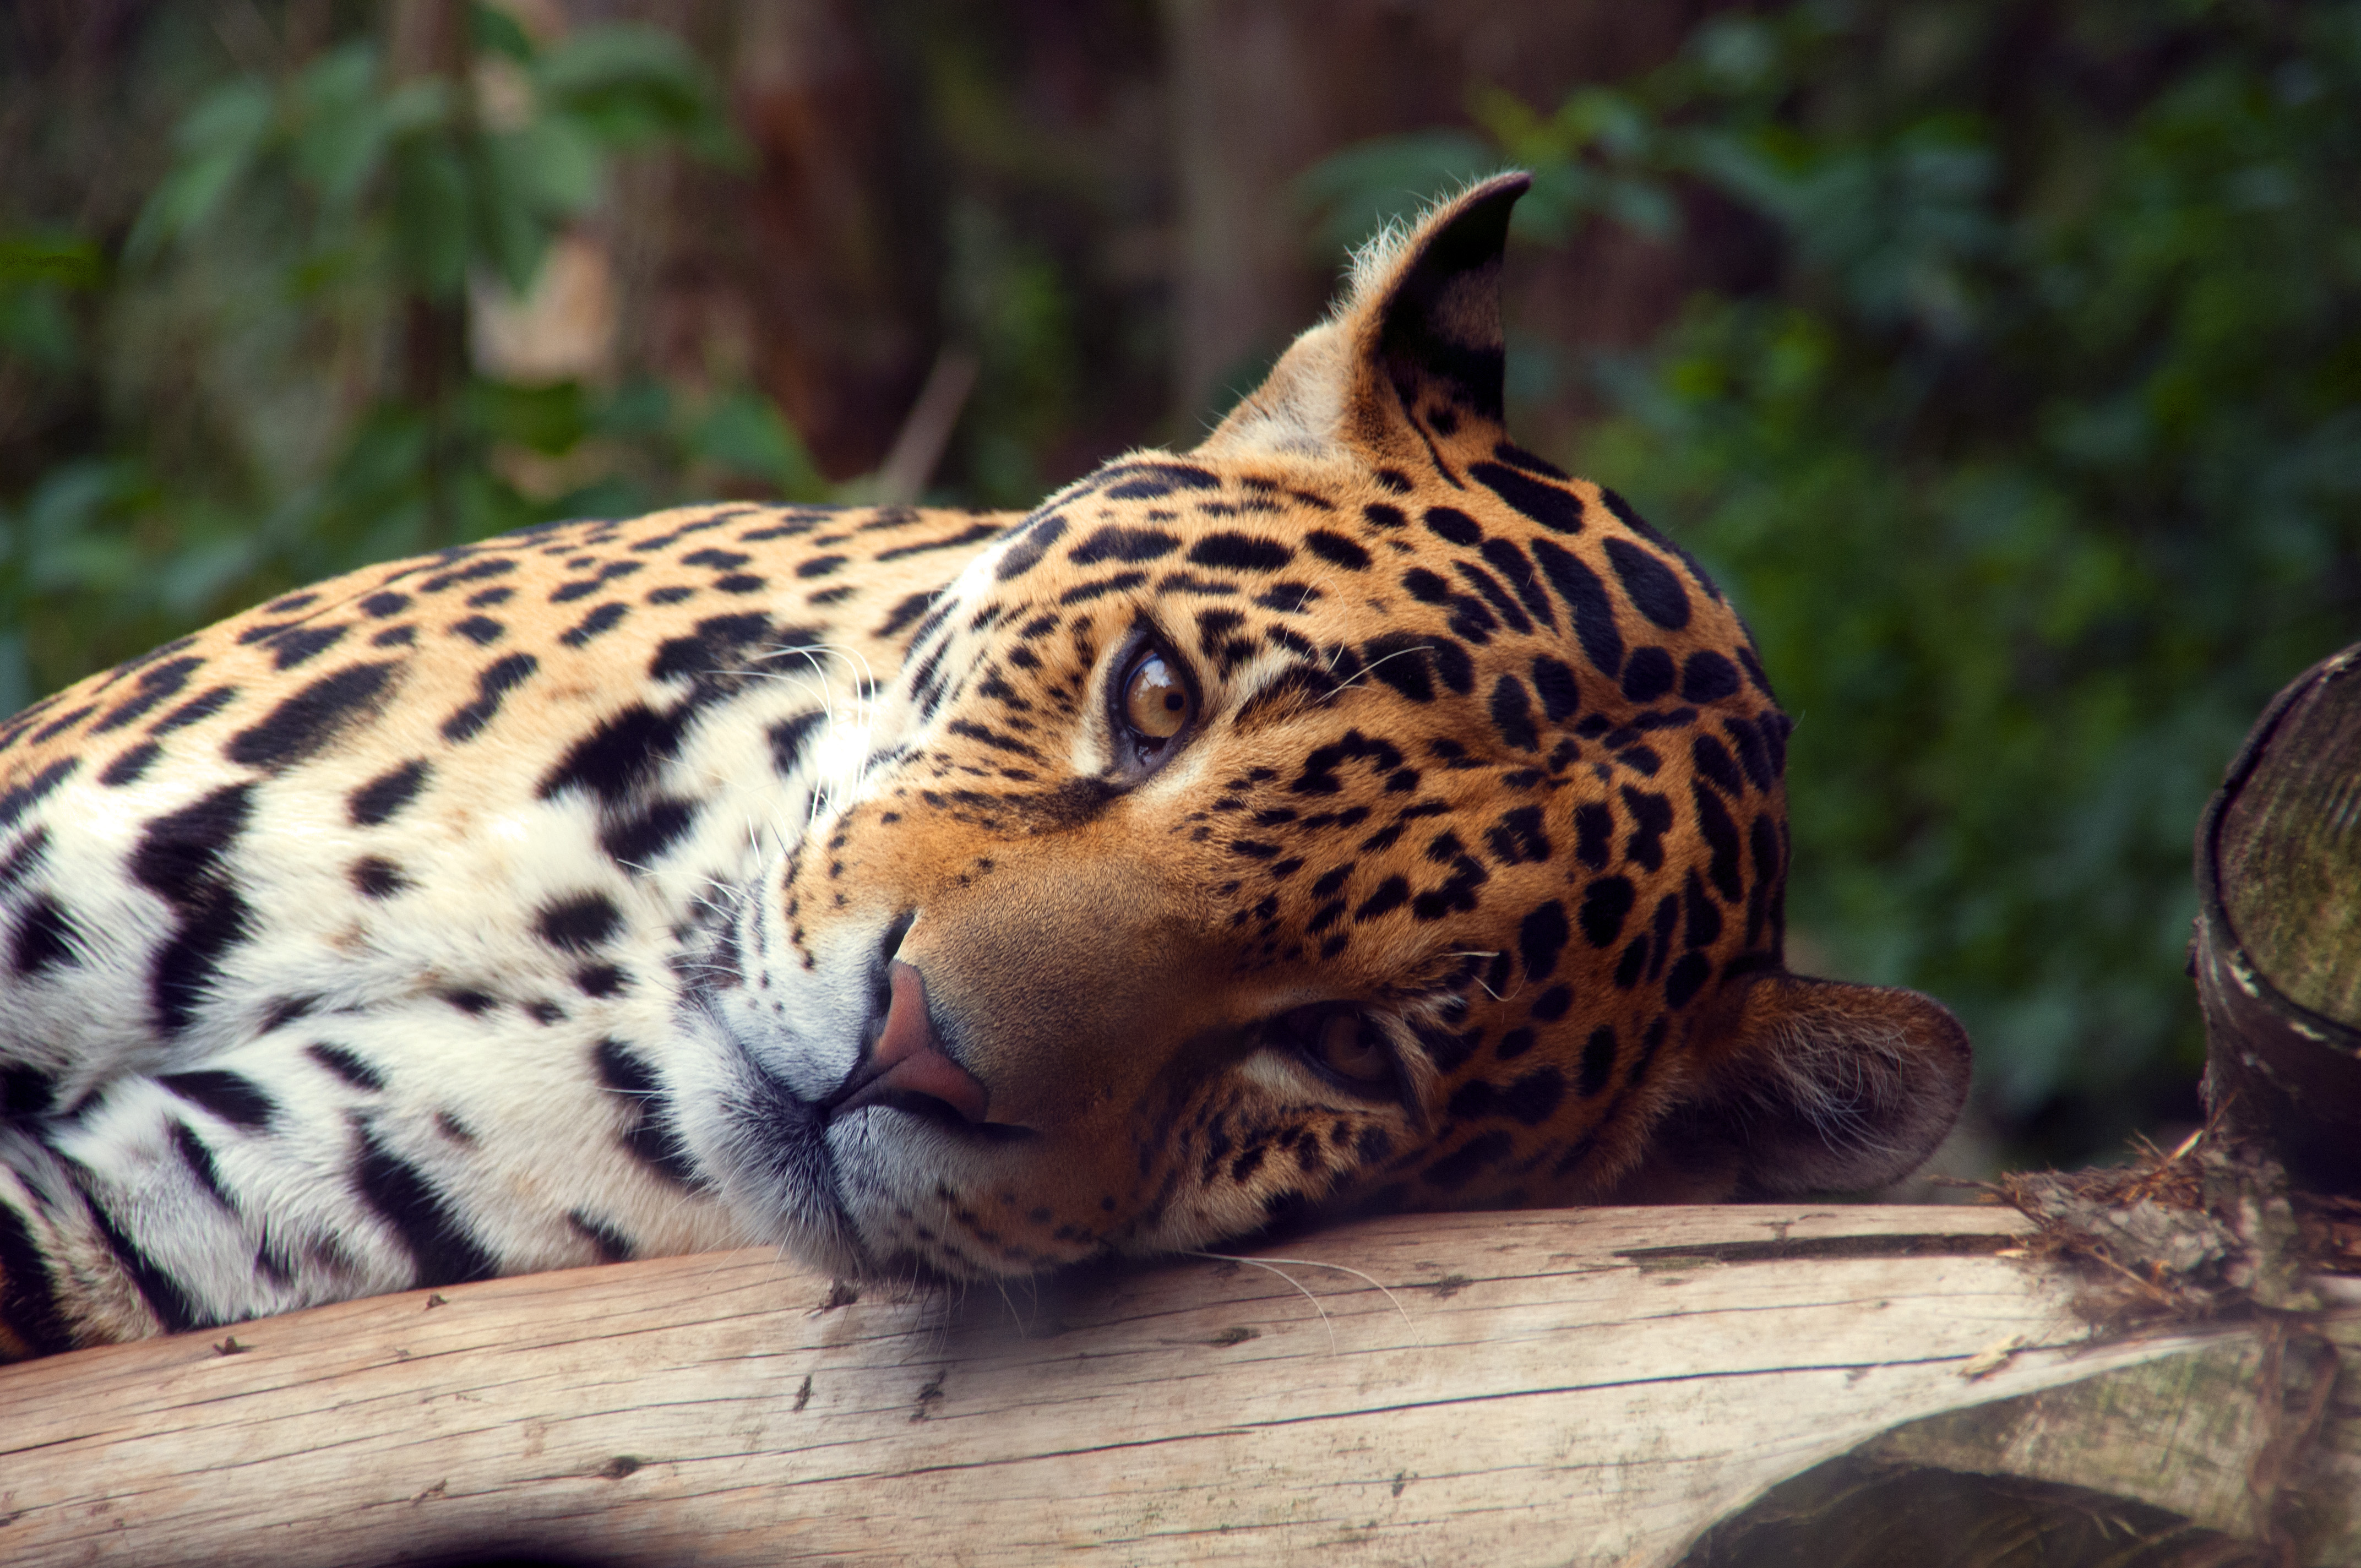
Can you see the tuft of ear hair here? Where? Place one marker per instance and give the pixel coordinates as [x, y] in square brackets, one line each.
[1809, 1086]
[1408, 364]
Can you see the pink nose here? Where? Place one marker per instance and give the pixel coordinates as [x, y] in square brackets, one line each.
[908, 1057]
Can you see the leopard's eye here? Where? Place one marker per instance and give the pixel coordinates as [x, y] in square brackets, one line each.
[1155, 702]
[1345, 1046]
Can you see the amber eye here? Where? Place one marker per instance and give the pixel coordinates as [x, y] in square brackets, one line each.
[1344, 1044]
[1155, 702]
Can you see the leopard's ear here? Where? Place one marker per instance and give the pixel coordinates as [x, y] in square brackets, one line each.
[1807, 1086]
[1409, 363]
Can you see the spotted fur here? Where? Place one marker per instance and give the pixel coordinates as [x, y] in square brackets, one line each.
[619, 888]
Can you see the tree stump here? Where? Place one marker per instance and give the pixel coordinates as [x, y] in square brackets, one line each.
[2277, 952]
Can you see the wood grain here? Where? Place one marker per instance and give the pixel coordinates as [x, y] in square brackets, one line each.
[1590, 1386]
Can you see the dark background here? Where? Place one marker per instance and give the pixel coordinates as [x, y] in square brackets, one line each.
[2004, 358]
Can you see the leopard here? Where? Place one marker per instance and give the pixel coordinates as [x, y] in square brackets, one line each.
[1351, 813]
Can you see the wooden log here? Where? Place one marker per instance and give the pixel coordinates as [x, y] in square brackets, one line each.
[2278, 953]
[1594, 1386]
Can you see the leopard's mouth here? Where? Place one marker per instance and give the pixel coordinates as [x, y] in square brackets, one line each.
[764, 1147]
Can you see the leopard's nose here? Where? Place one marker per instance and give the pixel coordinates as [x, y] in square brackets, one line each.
[908, 1067]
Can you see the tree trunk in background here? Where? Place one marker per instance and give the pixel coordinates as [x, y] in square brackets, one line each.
[1264, 89]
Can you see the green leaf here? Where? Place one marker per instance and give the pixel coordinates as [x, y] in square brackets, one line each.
[493, 29]
[746, 433]
[628, 83]
[1356, 192]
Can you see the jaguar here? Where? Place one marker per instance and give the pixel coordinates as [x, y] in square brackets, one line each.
[1350, 814]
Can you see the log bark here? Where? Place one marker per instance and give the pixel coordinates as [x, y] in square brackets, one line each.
[1595, 1386]
[2277, 952]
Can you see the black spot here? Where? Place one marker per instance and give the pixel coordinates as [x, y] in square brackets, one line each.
[974, 534]
[467, 999]
[131, 765]
[199, 1161]
[601, 979]
[640, 839]
[1115, 542]
[1083, 593]
[294, 646]
[378, 877]
[1561, 695]
[315, 715]
[165, 1298]
[1598, 1061]
[1649, 676]
[1380, 515]
[1337, 549]
[820, 565]
[1239, 552]
[1541, 938]
[601, 619]
[1450, 523]
[1557, 510]
[719, 559]
[1388, 895]
[1654, 588]
[1512, 714]
[1146, 481]
[611, 1245]
[1457, 1170]
[1594, 834]
[1631, 519]
[788, 737]
[377, 801]
[179, 857]
[1752, 754]
[1708, 677]
[487, 566]
[1705, 914]
[422, 1221]
[1530, 1100]
[1288, 597]
[1551, 1004]
[623, 752]
[1588, 602]
[1517, 836]
[1452, 662]
[342, 1061]
[1605, 905]
[497, 680]
[384, 604]
[1029, 544]
[1633, 963]
[155, 686]
[1688, 976]
[24, 1091]
[648, 1131]
[1668, 918]
[719, 644]
[232, 1096]
[196, 711]
[1720, 834]
[1400, 660]
[903, 613]
[579, 921]
[1715, 764]
[45, 935]
[1652, 819]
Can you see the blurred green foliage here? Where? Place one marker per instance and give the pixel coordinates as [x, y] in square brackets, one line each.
[272, 375]
[2035, 461]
